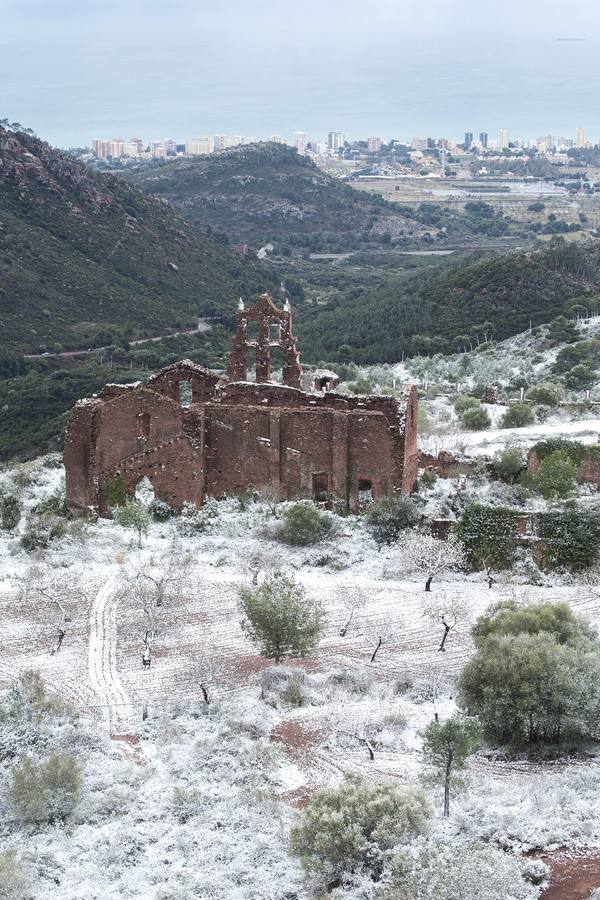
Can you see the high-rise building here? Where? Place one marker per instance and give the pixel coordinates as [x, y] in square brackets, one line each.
[483, 139]
[374, 144]
[418, 143]
[300, 141]
[276, 139]
[335, 140]
[220, 141]
[580, 138]
[468, 142]
[503, 138]
[139, 144]
[235, 140]
[171, 146]
[157, 149]
[199, 146]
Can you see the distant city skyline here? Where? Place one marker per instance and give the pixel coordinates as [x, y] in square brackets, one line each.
[74, 71]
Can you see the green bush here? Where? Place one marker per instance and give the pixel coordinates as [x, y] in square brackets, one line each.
[387, 518]
[476, 418]
[463, 402]
[548, 393]
[304, 524]
[10, 512]
[488, 533]
[518, 415]
[555, 478]
[280, 619]
[580, 377]
[352, 828]
[571, 539]
[45, 792]
[509, 463]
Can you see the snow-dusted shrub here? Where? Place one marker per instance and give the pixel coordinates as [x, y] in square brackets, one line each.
[40, 531]
[464, 402]
[304, 524]
[45, 792]
[280, 619]
[52, 461]
[439, 870]
[287, 684]
[535, 871]
[14, 880]
[387, 518]
[160, 511]
[10, 512]
[354, 827]
[354, 681]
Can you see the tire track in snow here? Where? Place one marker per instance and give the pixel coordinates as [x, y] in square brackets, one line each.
[102, 659]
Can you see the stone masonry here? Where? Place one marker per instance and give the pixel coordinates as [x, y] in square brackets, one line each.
[195, 434]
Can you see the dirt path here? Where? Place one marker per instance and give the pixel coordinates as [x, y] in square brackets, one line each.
[102, 661]
[574, 877]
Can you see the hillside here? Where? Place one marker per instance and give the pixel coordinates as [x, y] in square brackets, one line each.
[268, 192]
[81, 252]
[446, 308]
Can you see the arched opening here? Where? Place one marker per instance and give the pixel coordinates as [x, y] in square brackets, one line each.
[276, 365]
[144, 492]
[185, 393]
[251, 365]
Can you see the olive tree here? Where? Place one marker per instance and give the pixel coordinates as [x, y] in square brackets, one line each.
[422, 554]
[133, 514]
[446, 748]
[279, 619]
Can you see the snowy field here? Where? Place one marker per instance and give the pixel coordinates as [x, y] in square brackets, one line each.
[248, 761]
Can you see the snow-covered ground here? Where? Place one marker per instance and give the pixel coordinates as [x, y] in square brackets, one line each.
[196, 800]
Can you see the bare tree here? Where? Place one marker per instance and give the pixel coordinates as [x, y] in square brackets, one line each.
[449, 609]
[422, 554]
[379, 633]
[352, 598]
[155, 589]
[59, 591]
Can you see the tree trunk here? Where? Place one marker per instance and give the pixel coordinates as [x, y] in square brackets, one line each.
[428, 583]
[367, 745]
[379, 643]
[449, 758]
[441, 648]
[205, 694]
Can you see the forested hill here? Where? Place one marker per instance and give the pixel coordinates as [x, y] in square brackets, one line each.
[449, 307]
[268, 192]
[82, 252]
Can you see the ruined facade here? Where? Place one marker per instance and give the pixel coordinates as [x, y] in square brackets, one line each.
[196, 434]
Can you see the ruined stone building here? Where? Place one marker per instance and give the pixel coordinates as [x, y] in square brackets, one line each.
[195, 433]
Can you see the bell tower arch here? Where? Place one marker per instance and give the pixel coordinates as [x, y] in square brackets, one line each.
[262, 327]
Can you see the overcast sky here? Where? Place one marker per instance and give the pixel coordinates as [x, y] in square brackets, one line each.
[77, 69]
